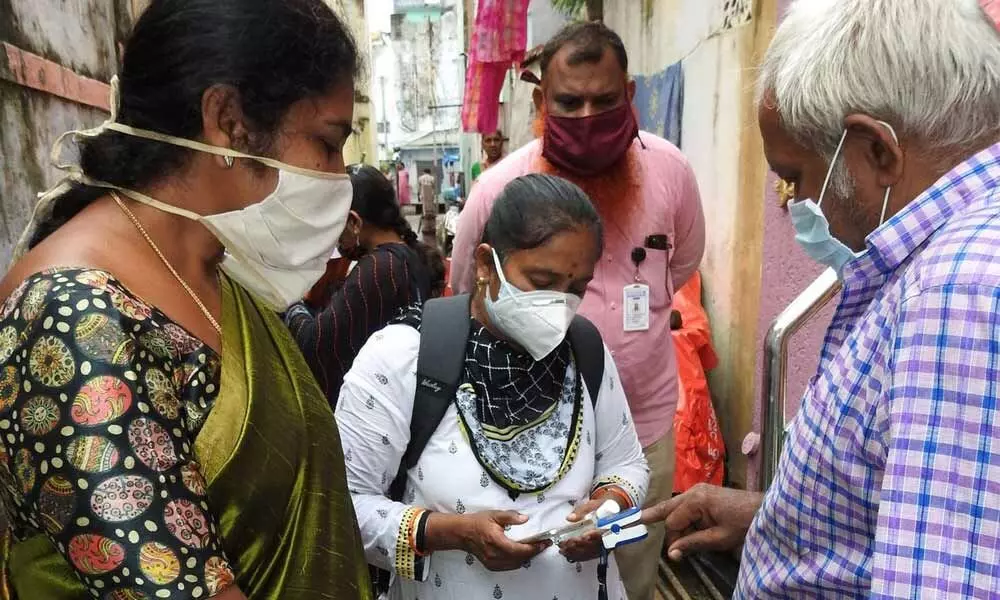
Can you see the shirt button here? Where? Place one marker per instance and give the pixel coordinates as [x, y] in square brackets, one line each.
[610, 259]
[613, 305]
[614, 352]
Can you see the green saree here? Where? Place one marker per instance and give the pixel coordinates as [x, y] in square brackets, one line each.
[271, 455]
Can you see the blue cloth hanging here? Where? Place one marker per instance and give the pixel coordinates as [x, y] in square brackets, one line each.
[659, 100]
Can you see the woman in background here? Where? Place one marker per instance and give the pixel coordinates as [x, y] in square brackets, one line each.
[394, 272]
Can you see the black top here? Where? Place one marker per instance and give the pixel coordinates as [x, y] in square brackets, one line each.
[379, 289]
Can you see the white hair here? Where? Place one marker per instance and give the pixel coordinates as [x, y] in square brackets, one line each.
[931, 68]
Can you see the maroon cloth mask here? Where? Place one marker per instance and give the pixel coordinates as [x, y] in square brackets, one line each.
[587, 146]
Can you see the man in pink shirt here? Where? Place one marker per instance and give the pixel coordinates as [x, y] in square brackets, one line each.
[647, 195]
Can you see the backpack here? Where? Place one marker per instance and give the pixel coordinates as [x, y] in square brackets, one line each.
[444, 332]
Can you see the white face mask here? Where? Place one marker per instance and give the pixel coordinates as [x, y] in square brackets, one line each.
[537, 321]
[277, 248]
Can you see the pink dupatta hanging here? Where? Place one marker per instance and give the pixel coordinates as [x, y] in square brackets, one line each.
[498, 40]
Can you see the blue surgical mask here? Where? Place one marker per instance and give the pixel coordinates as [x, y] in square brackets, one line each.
[812, 230]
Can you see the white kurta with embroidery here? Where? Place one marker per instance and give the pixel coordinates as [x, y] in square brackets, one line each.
[373, 414]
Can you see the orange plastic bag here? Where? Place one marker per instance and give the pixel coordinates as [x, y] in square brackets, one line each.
[699, 446]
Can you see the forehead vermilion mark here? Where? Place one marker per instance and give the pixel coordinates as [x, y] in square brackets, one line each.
[575, 270]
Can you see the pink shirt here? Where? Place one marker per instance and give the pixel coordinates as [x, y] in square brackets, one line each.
[670, 205]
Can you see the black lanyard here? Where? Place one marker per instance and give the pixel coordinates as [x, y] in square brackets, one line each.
[602, 575]
[638, 255]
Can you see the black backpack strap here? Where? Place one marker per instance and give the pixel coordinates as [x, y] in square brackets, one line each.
[588, 350]
[444, 332]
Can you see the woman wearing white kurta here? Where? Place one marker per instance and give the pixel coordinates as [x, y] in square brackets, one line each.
[523, 443]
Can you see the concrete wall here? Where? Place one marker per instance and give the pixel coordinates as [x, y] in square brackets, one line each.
[428, 46]
[361, 147]
[717, 42]
[30, 122]
[79, 35]
[520, 113]
[385, 86]
[82, 36]
[543, 22]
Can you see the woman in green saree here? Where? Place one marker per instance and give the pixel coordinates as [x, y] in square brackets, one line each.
[160, 434]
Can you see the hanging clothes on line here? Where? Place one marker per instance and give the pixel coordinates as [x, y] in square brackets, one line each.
[659, 101]
[498, 40]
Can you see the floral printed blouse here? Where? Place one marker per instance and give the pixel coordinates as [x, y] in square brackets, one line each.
[101, 398]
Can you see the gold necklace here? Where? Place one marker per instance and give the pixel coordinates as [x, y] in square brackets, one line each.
[187, 288]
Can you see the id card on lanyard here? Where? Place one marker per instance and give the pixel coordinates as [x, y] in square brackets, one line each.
[635, 303]
[635, 298]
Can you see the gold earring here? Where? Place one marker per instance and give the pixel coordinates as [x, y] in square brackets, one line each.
[482, 282]
[229, 161]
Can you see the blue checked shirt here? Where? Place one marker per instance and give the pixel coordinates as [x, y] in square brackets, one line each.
[889, 482]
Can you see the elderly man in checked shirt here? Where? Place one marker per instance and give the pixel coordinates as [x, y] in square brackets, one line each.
[889, 482]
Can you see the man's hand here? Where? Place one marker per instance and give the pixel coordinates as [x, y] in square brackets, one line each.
[706, 517]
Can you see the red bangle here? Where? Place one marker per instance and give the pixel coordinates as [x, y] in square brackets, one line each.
[411, 533]
[623, 499]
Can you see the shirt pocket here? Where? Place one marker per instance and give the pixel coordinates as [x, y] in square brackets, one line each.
[655, 272]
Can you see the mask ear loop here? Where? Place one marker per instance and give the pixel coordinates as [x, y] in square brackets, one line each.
[45, 203]
[888, 190]
[829, 172]
[499, 268]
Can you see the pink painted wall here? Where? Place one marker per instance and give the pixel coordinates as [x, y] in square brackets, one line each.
[786, 272]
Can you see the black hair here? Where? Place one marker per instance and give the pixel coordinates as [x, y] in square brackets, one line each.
[272, 53]
[428, 171]
[589, 41]
[375, 202]
[434, 260]
[533, 208]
